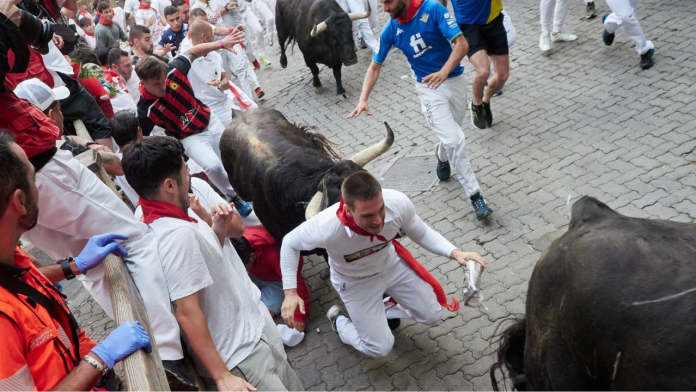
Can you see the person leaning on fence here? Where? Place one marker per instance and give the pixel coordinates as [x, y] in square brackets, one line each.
[42, 346]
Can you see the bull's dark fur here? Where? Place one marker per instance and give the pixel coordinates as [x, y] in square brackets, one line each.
[334, 47]
[279, 167]
[610, 306]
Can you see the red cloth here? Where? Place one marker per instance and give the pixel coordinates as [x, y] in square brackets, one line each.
[146, 94]
[91, 35]
[35, 69]
[153, 210]
[97, 90]
[35, 132]
[143, 7]
[267, 267]
[423, 273]
[236, 93]
[102, 20]
[412, 9]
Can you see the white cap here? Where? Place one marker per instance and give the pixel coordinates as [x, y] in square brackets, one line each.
[290, 337]
[38, 93]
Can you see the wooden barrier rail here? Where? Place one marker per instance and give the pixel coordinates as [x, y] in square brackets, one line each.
[144, 372]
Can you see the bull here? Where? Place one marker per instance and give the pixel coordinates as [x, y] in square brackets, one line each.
[290, 173]
[324, 33]
[611, 305]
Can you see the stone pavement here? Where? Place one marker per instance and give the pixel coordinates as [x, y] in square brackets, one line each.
[583, 121]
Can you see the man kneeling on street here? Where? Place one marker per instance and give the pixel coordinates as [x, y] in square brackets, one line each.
[215, 303]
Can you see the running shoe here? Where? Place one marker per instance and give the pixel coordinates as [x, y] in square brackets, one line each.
[443, 168]
[606, 37]
[590, 11]
[333, 314]
[488, 114]
[264, 60]
[242, 207]
[499, 93]
[259, 93]
[477, 116]
[545, 42]
[482, 210]
[646, 59]
[563, 37]
[255, 64]
[179, 377]
[362, 43]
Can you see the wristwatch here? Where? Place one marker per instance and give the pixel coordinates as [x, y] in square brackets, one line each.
[65, 266]
[95, 364]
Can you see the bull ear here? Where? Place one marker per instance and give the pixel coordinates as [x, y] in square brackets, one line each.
[360, 15]
[318, 29]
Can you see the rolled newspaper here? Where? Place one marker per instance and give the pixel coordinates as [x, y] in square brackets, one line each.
[472, 280]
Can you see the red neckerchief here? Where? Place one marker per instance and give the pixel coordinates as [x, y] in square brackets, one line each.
[423, 273]
[153, 210]
[145, 94]
[102, 20]
[412, 10]
[91, 35]
[144, 7]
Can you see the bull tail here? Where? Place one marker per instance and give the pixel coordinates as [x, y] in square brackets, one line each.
[321, 143]
[511, 356]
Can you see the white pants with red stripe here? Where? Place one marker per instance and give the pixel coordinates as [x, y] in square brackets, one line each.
[367, 329]
[75, 205]
[239, 64]
[624, 15]
[223, 109]
[204, 148]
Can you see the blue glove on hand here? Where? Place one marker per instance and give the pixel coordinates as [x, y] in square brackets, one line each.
[121, 342]
[97, 248]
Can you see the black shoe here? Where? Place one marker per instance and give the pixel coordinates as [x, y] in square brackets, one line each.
[646, 59]
[488, 114]
[393, 323]
[362, 42]
[606, 37]
[333, 314]
[444, 171]
[477, 116]
[482, 210]
[590, 11]
[179, 377]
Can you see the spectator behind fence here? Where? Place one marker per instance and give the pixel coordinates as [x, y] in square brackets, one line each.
[173, 34]
[121, 63]
[87, 26]
[108, 34]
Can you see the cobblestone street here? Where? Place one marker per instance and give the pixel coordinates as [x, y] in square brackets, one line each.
[585, 120]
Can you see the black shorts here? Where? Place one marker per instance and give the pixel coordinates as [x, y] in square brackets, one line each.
[490, 37]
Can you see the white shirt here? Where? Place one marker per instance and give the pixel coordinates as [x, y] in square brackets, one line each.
[120, 17]
[127, 189]
[132, 84]
[54, 61]
[91, 40]
[203, 70]
[143, 15]
[231, 18]
[131, 6]
[351, 254]
[193, 261]
[212, 13]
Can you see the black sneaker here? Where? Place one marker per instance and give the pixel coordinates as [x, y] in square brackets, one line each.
[646, 59]
[362, 42]
[488, 114]
[590, 11]
[477, 116]
[179, 376]
[333, 314]
[606, 37]
[444, 171]
[393, 323]
[482, 210]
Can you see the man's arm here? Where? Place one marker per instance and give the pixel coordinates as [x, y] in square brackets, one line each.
[55, 274]
[224, 82]
[461, 48]
[190, 317]
[368, 84]
[228, 43]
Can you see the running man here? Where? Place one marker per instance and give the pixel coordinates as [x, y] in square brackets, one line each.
[366, 262]
[623, 14]
[423, 30]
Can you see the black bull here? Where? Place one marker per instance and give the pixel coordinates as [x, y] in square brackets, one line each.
[611, 305]
[287, 171]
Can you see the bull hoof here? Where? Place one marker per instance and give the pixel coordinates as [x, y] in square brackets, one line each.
[342, 96]
[319, 89]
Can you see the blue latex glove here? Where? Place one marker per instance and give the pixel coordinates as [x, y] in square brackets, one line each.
[97, 248]
[121, 342]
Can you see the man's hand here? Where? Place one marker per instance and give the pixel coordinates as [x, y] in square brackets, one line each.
[121, 342]
[215, 83]
[151, 21]
[232, 5]
[362, 107]
[463, 257]
[99, 147]
[222, 214]
[291, 302]
[168, 48]
[10, 10]
[58, 40]
[230, 382]
[434, 80]
[235, 37]
[97, 248]
[195, 205]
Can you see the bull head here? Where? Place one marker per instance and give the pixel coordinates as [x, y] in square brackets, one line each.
[320, 199]
[321, 27]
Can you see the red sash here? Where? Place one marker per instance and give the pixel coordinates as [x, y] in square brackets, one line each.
[102, 20]
[144, 7]
[412, 9]
[423, 273]
[153, 210]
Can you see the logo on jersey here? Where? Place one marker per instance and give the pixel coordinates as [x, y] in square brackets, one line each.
[424, 18]
[398, 31]
[365, 252]
[451, 23]
[417, 43]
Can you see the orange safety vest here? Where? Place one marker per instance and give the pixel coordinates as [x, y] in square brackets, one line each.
[37, 351]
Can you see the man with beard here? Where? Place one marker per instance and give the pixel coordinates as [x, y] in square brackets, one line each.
[424, 31]
[120, 63]
[43, 347]
[143, 47]
[184, 10]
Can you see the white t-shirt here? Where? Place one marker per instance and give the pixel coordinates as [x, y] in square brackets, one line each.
[212, 13]
[231, 18]
[91, 40]
[54, 61]
[131, 6]
[133, 83]
[127, 189]
[191, 260]
[351, 254]
[203, 70]
[143, 15]
[120, 17]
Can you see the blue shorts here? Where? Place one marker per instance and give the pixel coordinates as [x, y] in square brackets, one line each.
[272, 294]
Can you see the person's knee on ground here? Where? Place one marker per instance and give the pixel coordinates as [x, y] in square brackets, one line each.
[380, 349]
[430, 318]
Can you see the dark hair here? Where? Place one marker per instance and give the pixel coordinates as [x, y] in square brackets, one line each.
[103, 55]
[115, 55]
[149, 162]
[137, 32]
[84, 22]
[102, 6]
[52, 106]
[198, 12]
[85, 55]
[13, 175]
[178, 3]
[150, 68]
[170, 10]
[241, 245]
[361, 186]
[124, 127]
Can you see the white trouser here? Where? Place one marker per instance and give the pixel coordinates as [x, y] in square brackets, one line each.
[367, 329]
[254, 29]
[444, 109]
[266, 9]
[75, 205]
[373, 16]
[623, 14]
[239, 64]
[363, 24]
[223, 110]
[556, 9]
[204, 148]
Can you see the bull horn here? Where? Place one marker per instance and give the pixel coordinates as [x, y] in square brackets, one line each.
[365, 156]
[314, 206]
[318, 29]
[360, 15]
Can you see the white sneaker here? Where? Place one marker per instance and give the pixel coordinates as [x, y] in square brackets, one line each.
[563, 37]
[545, 42]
